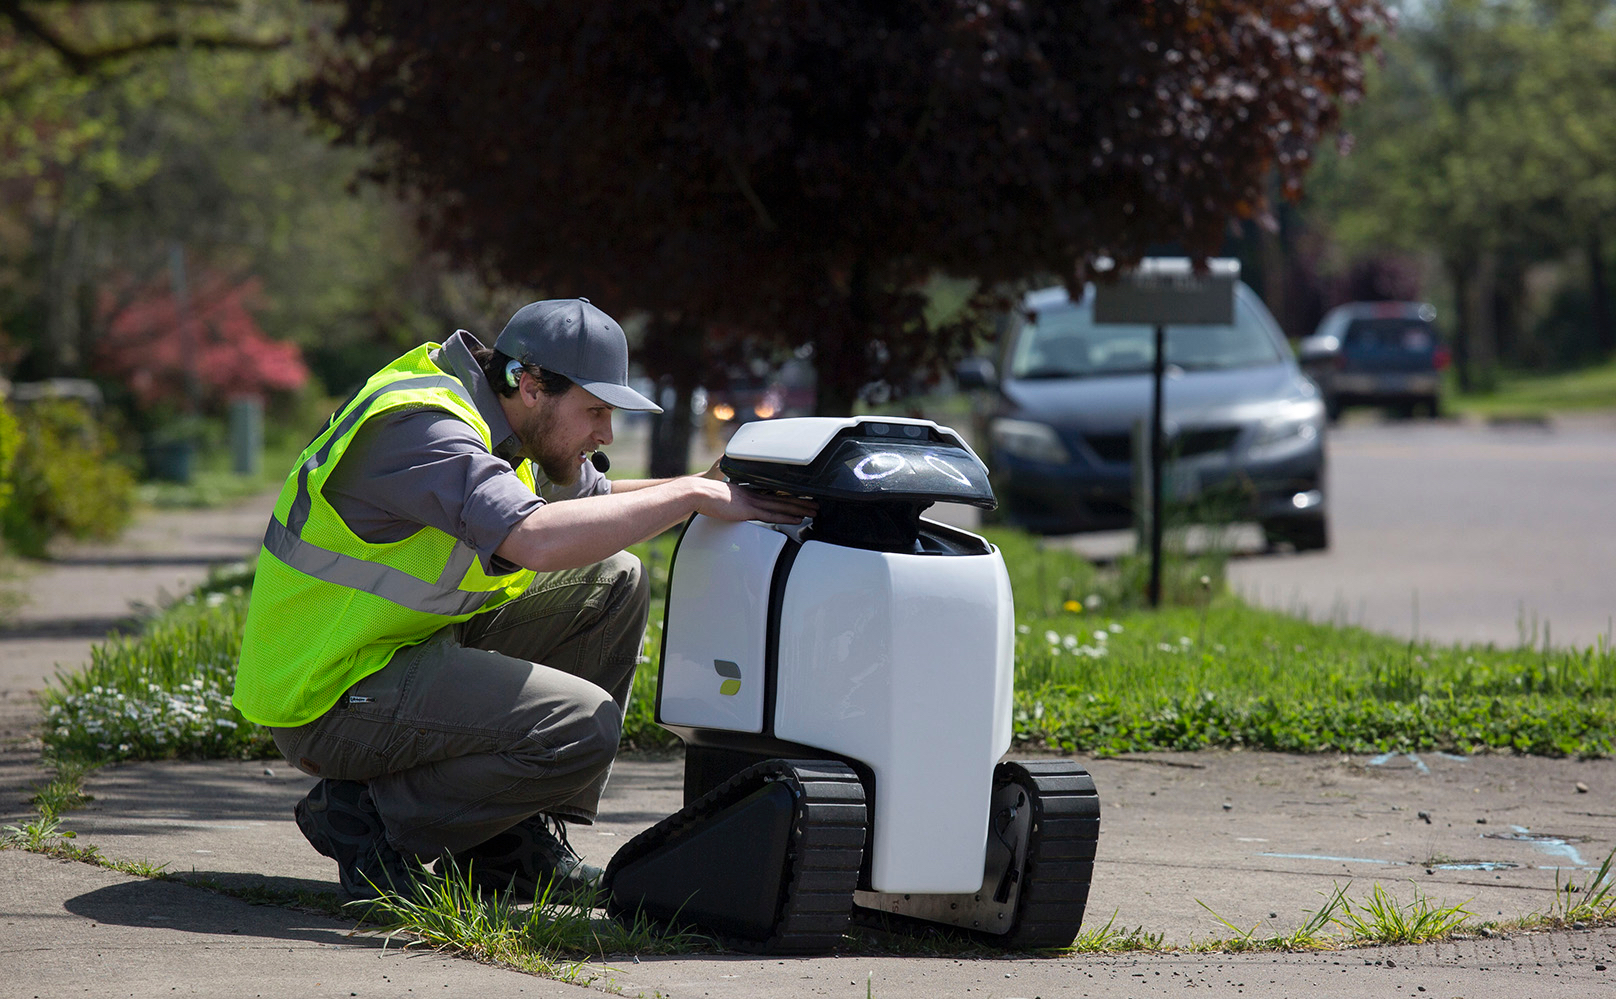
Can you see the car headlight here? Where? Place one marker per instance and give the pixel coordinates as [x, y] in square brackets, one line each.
[1025, 439]
[1299, 420]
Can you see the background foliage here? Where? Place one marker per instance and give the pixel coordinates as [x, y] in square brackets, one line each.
[67, 478]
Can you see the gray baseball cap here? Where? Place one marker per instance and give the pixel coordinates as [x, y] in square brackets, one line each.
[571, 337]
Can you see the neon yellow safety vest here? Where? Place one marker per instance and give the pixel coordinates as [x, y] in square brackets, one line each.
[328, 608]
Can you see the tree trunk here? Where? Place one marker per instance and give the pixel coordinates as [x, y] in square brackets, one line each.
[1509, 291]
[670, 431]
[1459, 276]
[63, 278]
[1273, 247]
[673, 353]
[1483, 333]
[836, 350]
[1599, 292]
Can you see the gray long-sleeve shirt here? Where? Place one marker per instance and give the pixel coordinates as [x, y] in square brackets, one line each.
[426, 467]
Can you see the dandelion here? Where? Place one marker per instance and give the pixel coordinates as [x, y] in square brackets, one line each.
[1073, 606]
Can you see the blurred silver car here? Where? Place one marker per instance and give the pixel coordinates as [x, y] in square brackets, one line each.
[1242, 422]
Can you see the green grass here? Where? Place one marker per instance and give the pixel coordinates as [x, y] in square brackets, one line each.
[1211, 670]
[1531, 394]
[548, 937]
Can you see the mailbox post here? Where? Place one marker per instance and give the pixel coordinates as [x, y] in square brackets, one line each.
[1162, 292]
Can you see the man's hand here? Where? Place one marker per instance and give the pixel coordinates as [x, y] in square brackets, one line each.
[565, 535]
[732, 502]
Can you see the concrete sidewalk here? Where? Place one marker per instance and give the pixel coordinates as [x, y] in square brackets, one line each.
[1254, 836]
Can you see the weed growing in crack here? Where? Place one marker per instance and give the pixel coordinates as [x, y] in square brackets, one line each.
[1110, 939]
[549, 937]
[1311, 935]
[1381, 920]
[1591, 902]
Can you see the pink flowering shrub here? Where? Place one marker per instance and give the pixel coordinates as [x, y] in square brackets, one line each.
[146, 348]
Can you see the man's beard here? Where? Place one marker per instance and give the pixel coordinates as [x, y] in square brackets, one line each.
[559, 463]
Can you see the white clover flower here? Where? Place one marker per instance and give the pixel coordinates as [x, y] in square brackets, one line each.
[1100, 636]
[1114, 628]
[1053, 638]
[1070, 641]
[1022, 629]
[1184, 640]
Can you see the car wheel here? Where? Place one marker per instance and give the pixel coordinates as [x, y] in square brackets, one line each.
[1332, 410]
[1304, 534]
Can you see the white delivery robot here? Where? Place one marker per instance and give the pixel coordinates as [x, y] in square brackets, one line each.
[843, 690]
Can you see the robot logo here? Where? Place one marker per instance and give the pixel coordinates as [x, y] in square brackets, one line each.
[732, 677]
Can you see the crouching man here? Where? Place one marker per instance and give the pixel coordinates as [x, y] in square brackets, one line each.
[435, 634]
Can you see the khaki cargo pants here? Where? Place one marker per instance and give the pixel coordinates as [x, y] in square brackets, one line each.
[467, 734]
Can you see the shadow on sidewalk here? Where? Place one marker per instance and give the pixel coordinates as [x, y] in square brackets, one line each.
[112, 560]
[73, 627]
[177, 906]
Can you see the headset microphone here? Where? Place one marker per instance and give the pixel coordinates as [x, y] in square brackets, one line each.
[600, 461]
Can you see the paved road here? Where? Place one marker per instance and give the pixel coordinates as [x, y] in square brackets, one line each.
[1461, 532]
[1458, 532]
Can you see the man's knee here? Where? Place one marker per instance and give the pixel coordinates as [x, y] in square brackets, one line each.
[586, 736]
[631, 583]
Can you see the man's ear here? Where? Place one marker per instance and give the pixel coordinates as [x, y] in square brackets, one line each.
[527, 386]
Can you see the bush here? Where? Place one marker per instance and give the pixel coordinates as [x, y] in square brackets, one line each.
[10, 441]
[65, 479]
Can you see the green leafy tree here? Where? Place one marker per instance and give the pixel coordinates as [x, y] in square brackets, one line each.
[130, 129]
[1486, 141]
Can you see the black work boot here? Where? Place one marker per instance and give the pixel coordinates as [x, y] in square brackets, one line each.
[338, 819]
[534, 860]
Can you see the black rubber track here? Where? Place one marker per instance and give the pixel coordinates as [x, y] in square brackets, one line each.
[1060, 851]
[822, 860]
[1059, 866]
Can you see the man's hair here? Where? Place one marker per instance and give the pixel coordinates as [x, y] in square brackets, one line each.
[494, 364]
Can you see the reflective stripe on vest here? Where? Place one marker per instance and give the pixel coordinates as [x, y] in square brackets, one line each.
[284, 541]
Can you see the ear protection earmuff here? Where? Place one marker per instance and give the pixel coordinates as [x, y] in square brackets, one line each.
[513, 373]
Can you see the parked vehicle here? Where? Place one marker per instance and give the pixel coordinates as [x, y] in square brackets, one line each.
[1378, 354]
[1241, 420]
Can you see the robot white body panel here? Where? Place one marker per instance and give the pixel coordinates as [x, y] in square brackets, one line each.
[714, 642]
[904, 663]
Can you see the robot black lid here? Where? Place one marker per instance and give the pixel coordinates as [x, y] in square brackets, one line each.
[877, 462]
